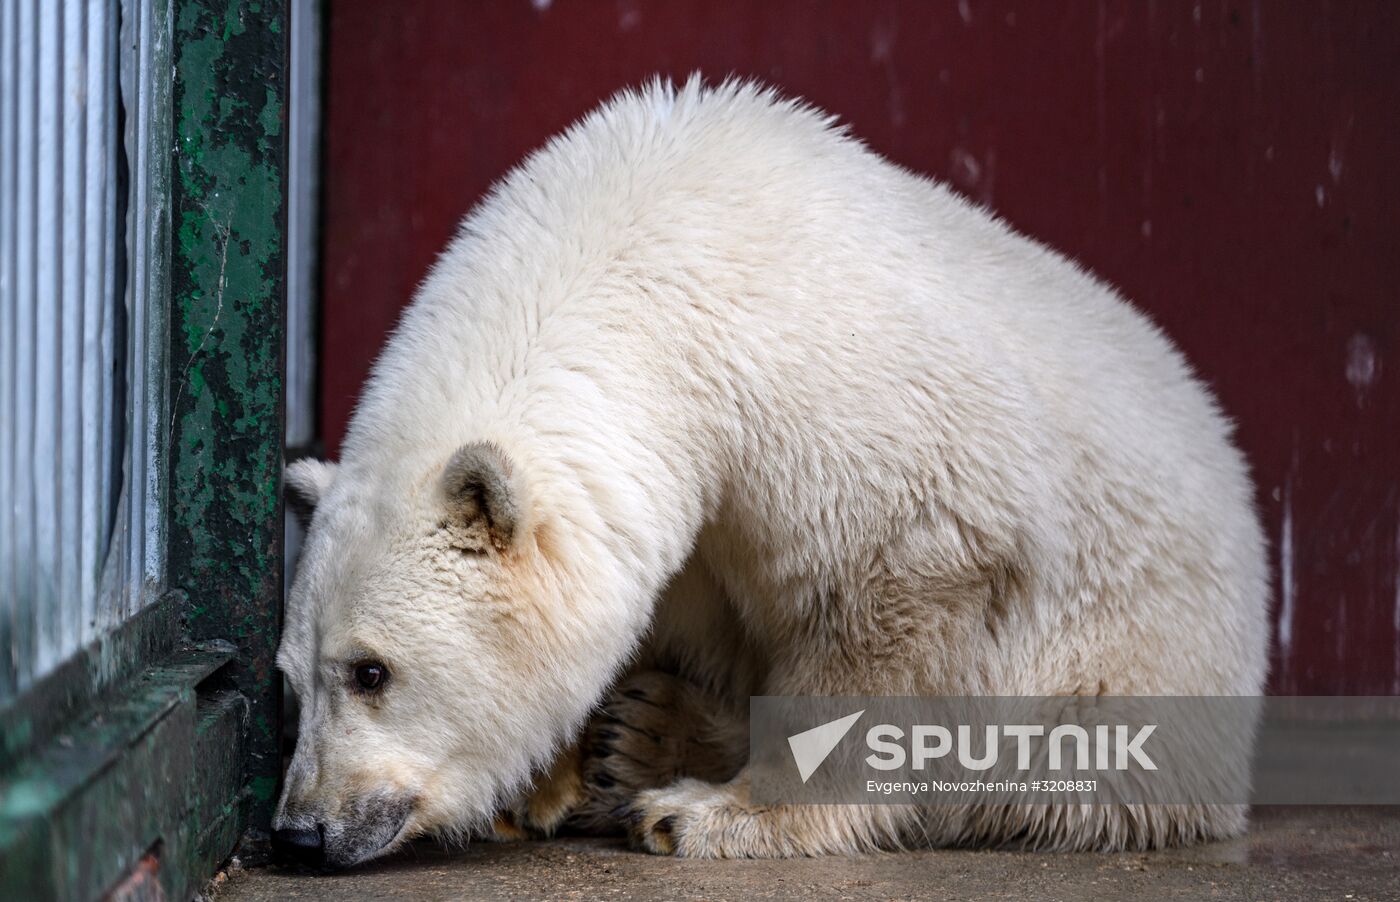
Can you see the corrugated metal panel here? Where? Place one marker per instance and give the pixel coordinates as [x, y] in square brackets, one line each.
[13, 391]
[135, 574]
[59, 329]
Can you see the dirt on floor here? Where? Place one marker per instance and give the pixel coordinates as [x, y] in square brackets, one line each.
[1319, 853]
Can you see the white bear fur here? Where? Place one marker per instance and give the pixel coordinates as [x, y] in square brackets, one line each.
[874, 440]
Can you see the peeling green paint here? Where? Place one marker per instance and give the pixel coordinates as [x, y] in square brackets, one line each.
[46, 707]
[226, 347]
[158, 763]
[264, 789]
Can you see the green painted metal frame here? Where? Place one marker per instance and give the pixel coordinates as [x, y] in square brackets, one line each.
[163, 738]
[228, 298]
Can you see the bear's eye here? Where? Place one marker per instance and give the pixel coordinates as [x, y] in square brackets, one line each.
[370, 676]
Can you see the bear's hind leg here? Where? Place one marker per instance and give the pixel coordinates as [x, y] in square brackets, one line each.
[556, 794]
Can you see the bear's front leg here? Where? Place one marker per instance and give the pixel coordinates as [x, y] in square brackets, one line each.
[666, 761]
[695, 819]
[654, 729]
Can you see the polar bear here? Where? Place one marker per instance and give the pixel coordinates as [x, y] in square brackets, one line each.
[707, 400]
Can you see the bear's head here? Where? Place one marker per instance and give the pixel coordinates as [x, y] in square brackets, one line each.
[438, 648]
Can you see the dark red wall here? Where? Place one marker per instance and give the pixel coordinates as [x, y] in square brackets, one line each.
[1229, 165]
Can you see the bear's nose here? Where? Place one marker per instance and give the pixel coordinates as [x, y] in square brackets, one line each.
[305, 847]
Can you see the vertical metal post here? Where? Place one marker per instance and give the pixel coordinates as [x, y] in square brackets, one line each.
[226, 363]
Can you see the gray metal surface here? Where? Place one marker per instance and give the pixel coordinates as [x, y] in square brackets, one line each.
[60, 329]
[303, 185]
[136, 566]
[303, 114]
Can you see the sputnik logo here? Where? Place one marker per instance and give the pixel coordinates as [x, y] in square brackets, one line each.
[811, 747]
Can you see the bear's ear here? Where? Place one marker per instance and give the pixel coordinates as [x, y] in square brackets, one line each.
[483, 492]
[307, 482]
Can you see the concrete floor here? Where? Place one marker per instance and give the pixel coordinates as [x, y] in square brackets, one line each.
[1344, 854]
